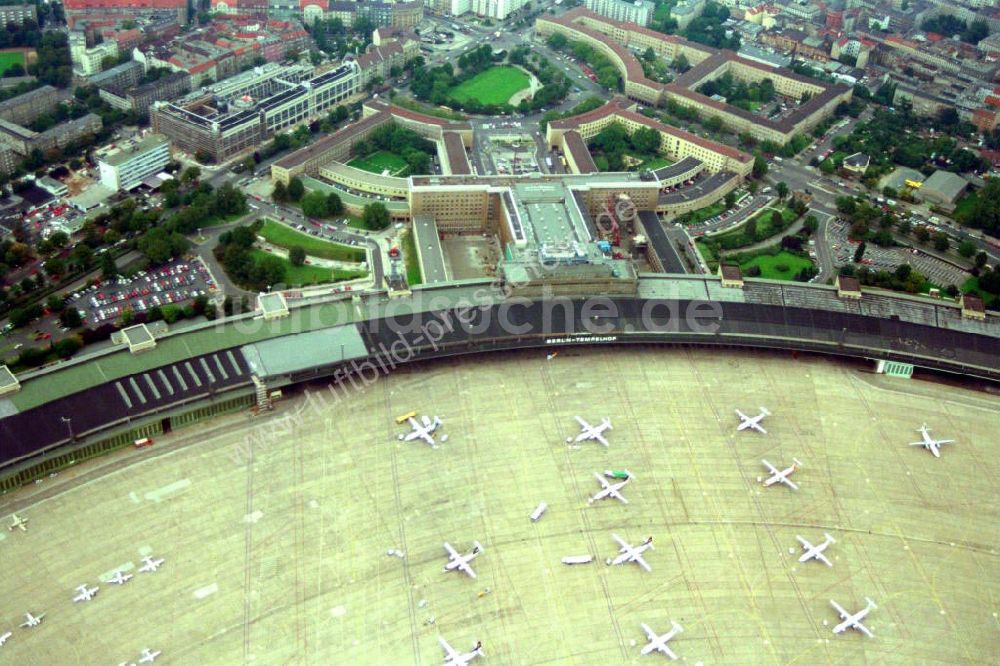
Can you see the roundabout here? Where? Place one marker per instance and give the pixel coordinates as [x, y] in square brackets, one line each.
[276, 531]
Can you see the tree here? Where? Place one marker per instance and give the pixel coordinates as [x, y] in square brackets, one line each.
[190, 175]
[941, 243]
[649, 55]
[70, 318]
[297, 255]
[782, 189]
[55, 303]
[295, 189]
[314, 205]
[967, 248]
[68, 346]
[759, 166]
[82, 256]
[981, 259]
[108, 268]
[860, 252]
[811, 224]
[334, 206]
[557, 41]
[279, 193]
[681, 63]
[750, 228]
[730, 200]
[375, 217]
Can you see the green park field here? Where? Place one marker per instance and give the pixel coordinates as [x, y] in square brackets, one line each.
[496, 85]
[282, 236]
[379, 162]
[10, 58]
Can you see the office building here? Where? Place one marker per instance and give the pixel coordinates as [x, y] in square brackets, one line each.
[127, 166]
[632, 11]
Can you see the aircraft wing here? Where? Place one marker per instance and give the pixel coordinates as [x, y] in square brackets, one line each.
[583, 424]
[452, 553]
[426, 437]
[945, 441]
[448, 650]
[822, 558]
[600, 480]
[464, 566]
[805, 544]
[840, 609]
[600, 438]
[621, 542]
[758, 427]
[862, 628]
[642, 563]
[650, 634]
[770, 467]
[788, 482]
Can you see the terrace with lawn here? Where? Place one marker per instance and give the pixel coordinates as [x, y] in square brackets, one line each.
[308, 275]
[284, 237]
[382, 162]
[783, 265]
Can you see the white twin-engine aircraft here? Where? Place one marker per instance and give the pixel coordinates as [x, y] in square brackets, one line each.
[461, 562]
[753, 421]
[780, 476]
[148, 656]
[32, 620]
[853, 621]
[591, 432]
[150, 565]
[18, 524]
[422, 429]
[455, 658]
[659, 643]
[119, 578]
[929, 443]
[815, 552]
[630, 553]
[609, 490]
[85, 593]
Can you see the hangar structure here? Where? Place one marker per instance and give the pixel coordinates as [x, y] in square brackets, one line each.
[104, 400]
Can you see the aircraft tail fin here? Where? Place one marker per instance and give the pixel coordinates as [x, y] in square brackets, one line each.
[763, 410]
[871, 603]
[829, 538]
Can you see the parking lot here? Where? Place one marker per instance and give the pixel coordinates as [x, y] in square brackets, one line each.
[889, 258]
[172, 284]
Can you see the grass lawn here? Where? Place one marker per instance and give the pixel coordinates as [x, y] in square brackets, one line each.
[654, 163]
[410, 260]
[965, 204]
[282, 236]
[702, 214]
[306, 275]
[707, 252]
[8, 59]
[971, 286]
[216, 221]
[496, 85]
[379, 162]
[770, 266]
